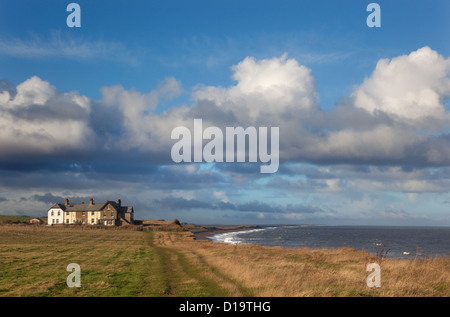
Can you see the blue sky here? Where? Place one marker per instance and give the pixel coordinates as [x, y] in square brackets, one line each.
[137, 44]
[363, 140]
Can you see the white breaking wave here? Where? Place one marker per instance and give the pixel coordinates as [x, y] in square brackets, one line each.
[233, 237]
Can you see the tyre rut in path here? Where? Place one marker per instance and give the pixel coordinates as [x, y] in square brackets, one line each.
[186, 273]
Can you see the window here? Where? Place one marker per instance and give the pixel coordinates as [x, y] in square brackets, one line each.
[92, 220]
[53, 220]
[59, 212]
[57, 220]
[93, 213]
[67, 220]
[109, 208]
[112, 214]
[83, 213]
[67, 213]
[52, 213]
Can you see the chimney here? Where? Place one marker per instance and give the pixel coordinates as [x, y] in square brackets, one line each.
[119, 202]
[91, 201]
[66, 202]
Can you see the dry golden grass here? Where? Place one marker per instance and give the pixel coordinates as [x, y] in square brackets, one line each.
[275, 271]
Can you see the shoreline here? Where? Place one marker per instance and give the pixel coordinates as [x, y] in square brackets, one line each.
[205, 232]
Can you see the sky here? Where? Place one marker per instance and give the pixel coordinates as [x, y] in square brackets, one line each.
[363, 112]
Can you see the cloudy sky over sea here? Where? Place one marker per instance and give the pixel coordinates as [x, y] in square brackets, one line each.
[363, 112]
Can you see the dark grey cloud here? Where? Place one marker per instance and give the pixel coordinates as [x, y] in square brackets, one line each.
[177, 203]
[57, 109]
[48, 198]
[180, 204]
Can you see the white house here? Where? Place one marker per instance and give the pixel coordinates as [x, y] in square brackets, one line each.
[110, 213]
[55, 215]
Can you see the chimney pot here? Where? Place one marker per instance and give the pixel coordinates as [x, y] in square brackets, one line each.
[91, 201]
[66, 202]
[119, 202]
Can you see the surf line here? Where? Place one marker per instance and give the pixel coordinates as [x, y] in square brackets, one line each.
[213, 150]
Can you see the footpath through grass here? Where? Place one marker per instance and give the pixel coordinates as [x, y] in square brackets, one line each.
[185, 272]
[176, 275]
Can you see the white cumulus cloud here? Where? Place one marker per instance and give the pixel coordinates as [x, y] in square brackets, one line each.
[410, 87]
[267, 87]
[38, 119]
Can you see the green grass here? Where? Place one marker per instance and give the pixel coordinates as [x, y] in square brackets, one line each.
[17, 219]
[33, 262]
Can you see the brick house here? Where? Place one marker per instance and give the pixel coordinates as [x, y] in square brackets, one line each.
[110, 213]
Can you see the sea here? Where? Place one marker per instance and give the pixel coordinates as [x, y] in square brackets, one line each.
[394, 242]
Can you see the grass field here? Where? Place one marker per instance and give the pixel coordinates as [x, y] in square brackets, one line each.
[113, 262]
[18, 219]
